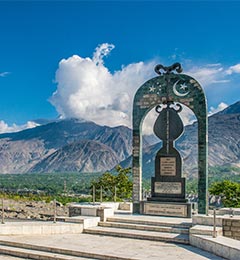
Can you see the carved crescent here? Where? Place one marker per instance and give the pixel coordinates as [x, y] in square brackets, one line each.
[176, 92]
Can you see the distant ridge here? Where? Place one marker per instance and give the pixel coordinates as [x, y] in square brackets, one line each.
[233, 109]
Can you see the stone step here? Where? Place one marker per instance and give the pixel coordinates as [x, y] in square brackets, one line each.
[150, 222]
[139, 234]
[35, 254]
[31, 251]
[205, 230]
[178, 230]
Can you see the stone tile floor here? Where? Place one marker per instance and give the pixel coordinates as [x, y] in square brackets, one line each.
[123, 247]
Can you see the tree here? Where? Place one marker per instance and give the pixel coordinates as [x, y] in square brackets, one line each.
[229, 192]
[123, 183]
[108, 181]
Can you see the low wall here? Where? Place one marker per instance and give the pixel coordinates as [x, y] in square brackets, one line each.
[231, 228]
[91, 210]
[40, 228]
[230, 225]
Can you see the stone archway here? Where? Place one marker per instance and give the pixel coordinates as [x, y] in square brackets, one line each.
[173, 87]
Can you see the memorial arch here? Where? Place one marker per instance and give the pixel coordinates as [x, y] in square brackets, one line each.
[170, 86]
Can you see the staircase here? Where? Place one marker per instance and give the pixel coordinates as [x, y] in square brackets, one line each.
[39, 252]
[147, 229]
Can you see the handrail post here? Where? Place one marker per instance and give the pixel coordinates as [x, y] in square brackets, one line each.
[214, 224]
[3, 211]
[94, 194]
[115, 193]
[55, 211]
[101, 195]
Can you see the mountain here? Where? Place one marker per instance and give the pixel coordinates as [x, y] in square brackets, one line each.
[82, 156]
[75, 145]
[21, 151]
[223, 138]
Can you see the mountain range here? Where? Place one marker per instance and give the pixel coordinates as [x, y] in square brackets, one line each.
[73, 145]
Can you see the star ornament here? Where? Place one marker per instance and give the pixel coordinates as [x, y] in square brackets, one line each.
[179, 89]
[183, 87]
[152, 89]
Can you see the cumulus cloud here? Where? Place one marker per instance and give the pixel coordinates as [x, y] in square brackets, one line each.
[4, 74]
[219, 108]
[5, 128]
[87, 89]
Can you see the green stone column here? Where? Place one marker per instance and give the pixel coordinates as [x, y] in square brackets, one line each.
[202, 165]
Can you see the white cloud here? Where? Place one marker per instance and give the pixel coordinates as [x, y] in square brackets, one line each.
[209, 74]
[87, 89]
[213, 65]
[4, 74]
[5, 128]
[233, 69]
[219, 108]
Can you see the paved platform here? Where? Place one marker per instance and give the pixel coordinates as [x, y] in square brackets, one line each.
[113, 246]
[6, 257]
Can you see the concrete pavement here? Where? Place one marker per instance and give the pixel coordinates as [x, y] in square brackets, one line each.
[113, 246]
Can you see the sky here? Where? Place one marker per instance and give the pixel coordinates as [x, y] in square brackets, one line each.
[86, 59]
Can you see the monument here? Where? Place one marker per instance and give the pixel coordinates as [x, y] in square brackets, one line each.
[166, 93]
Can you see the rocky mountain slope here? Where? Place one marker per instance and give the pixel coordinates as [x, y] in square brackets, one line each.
[75, 145]
[82, 156]
[34, 149]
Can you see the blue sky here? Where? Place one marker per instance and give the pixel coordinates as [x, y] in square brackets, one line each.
[204, 36]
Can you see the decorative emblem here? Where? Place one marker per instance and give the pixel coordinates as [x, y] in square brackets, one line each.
[181, 91]
[176, 66]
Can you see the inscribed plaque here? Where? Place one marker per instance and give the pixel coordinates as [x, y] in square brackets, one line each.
[165, 209]
[168, 166]
[168, 187]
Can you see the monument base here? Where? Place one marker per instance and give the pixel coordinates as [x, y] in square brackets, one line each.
[167, 209]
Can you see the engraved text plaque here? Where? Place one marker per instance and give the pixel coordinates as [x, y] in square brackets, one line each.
[168, 187]
[168, 166]
[165, 209]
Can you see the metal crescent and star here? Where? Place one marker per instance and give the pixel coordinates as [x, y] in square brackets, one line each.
[183, 87]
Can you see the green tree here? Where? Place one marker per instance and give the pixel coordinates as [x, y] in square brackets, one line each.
[108, 182]
[123, 183]
[229, 192]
